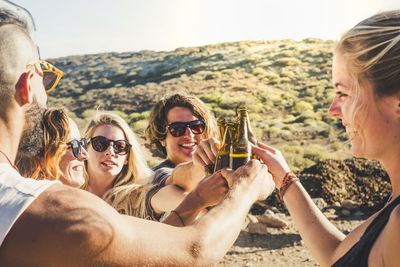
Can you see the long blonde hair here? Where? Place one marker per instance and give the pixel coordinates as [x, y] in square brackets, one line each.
[128, 191]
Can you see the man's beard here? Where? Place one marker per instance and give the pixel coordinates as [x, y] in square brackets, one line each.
[32, 140]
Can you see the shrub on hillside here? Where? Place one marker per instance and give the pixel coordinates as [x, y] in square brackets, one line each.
[140, 126]
[286, 61]
[302, 106]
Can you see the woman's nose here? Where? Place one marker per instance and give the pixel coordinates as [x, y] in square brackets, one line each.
[335, 110]
[110, 149]
[84, 154]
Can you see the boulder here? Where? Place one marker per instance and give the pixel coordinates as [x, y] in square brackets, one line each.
[257, 228]
[349, 204]
[272, 221]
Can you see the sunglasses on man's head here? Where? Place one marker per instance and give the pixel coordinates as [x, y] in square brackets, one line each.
[101, 143]
[51, 75]
[178, 128]
[76, 147]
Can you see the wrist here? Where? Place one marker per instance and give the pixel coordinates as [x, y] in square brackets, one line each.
[197, 170]
[287, 181]
[246, 194]
[278, 179]
[197, 202]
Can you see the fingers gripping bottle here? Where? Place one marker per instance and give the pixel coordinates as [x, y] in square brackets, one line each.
[210, 168]
[222, 158]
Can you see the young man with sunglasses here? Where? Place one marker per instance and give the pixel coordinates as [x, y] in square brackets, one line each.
[48, 224]
[182, 129]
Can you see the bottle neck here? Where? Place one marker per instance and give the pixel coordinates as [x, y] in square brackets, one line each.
[242, 127]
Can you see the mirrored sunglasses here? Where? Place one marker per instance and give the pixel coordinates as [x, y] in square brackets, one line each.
[178, 128]
[101, 143]
[76, 147]
[51, 75]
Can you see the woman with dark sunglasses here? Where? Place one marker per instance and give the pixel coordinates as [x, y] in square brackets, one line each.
[177, 126]
[63, 152]
[117, 170]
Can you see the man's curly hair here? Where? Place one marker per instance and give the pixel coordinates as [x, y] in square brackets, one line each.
[157, 128]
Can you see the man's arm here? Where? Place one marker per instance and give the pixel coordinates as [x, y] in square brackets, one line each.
[71, 227]
[167, 198]
[187, 175]
[208, 193]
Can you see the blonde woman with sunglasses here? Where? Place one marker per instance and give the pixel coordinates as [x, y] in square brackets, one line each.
[116, 170]
[61, 153]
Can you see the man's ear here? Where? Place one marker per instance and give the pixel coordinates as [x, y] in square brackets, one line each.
[24, 88]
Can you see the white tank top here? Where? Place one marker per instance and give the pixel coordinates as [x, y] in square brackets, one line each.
[16, 194]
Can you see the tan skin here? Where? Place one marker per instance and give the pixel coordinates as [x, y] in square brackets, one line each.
[170, 196]
[65, 226]
[209, 192]
[188, 173]
[189, 168]
[374, 134]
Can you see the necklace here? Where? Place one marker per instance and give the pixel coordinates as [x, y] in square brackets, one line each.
[9, 161]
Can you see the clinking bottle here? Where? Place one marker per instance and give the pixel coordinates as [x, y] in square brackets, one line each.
[240, 149]
[221, 124]
[222, 158]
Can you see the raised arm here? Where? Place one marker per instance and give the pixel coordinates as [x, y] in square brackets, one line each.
[71, 227]
[187, 175]
[209, 192]
[318, 233]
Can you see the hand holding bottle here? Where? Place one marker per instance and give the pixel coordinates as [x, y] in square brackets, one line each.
[275, 161]
[206, 152]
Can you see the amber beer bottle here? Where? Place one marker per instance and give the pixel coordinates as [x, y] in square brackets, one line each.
[221, 128]
[221, 124]
[240, 149]
[250, 135]
[222, 158]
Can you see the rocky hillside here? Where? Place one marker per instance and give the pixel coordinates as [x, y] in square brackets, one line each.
[285, 84]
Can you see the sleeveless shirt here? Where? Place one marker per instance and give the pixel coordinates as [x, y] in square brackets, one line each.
[358, 254]
[16, 194]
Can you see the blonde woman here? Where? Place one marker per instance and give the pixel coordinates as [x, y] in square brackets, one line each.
[116, 170]
[366, 77]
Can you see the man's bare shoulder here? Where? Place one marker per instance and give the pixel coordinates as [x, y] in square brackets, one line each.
[63, 223]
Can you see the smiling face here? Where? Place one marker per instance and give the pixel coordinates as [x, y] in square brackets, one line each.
[106, 165]
[71, 167]
[180, 149]
[370, 121]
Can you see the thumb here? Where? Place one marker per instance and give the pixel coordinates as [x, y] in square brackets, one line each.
[228, 175]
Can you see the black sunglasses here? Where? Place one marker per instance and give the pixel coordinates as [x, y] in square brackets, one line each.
[101, 143]
[76, 147]
[179, 128]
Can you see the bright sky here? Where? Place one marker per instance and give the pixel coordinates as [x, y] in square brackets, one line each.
[76, 27]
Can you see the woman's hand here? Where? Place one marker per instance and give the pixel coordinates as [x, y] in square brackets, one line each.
[275, 161]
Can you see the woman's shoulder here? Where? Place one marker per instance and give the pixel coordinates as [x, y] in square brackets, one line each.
[385, 251]
[394, 220]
